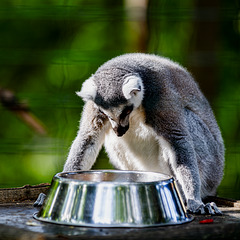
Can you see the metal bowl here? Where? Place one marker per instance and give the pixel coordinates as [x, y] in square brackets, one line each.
[111, 198]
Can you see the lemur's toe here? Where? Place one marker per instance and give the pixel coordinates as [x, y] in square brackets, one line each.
[208, 209]
[215, 208]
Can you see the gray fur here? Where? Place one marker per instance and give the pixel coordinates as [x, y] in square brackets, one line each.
[174, 109]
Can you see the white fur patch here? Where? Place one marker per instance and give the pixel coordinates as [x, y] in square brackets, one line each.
[132, 89]
[89, 90]
[140, 148]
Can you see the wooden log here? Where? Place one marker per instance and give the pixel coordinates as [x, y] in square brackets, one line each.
[223, 201]
[20, 194]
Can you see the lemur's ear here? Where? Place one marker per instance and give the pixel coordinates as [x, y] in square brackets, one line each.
[132, 86]
[132, 89]
[89, 90]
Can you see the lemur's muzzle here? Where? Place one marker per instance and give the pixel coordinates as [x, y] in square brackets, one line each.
[120, 130]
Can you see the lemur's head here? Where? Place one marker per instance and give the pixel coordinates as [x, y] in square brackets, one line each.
[116, 95]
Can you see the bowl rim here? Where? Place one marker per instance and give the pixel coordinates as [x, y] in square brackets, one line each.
[166, 178]
[189, 218]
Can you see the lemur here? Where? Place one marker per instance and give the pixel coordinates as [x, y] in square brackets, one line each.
[151, 115]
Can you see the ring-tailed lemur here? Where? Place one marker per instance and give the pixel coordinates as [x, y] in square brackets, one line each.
[151, 115]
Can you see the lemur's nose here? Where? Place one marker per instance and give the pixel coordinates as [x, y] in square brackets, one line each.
[120, 130]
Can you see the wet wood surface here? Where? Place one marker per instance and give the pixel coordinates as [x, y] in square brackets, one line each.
[17, 222]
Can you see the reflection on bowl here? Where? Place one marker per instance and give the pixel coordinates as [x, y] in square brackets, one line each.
[111, 198]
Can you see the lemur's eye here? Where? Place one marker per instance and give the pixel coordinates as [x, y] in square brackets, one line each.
[105, 114]
[128, 111]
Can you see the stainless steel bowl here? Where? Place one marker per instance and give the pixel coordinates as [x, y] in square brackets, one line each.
[111, 198]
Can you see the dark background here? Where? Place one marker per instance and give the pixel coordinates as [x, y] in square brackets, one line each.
[49, 47]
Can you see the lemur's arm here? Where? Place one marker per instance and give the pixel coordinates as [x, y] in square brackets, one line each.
[186, 171]
[89, 140]
[87, 144]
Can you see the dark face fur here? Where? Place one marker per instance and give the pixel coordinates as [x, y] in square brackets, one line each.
[119, 118]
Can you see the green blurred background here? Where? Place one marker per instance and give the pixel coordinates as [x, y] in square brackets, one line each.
[49, 47]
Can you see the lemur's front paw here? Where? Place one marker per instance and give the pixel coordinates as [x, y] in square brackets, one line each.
[196, 207]
[208, 208]
[40, 200]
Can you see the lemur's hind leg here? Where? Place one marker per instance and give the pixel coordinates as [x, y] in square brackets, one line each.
[207, 154]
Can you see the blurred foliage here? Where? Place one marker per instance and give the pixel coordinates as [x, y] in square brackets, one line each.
[49, 47]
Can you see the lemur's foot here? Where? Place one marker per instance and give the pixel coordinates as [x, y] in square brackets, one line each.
[206, 209]
[40, 200]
